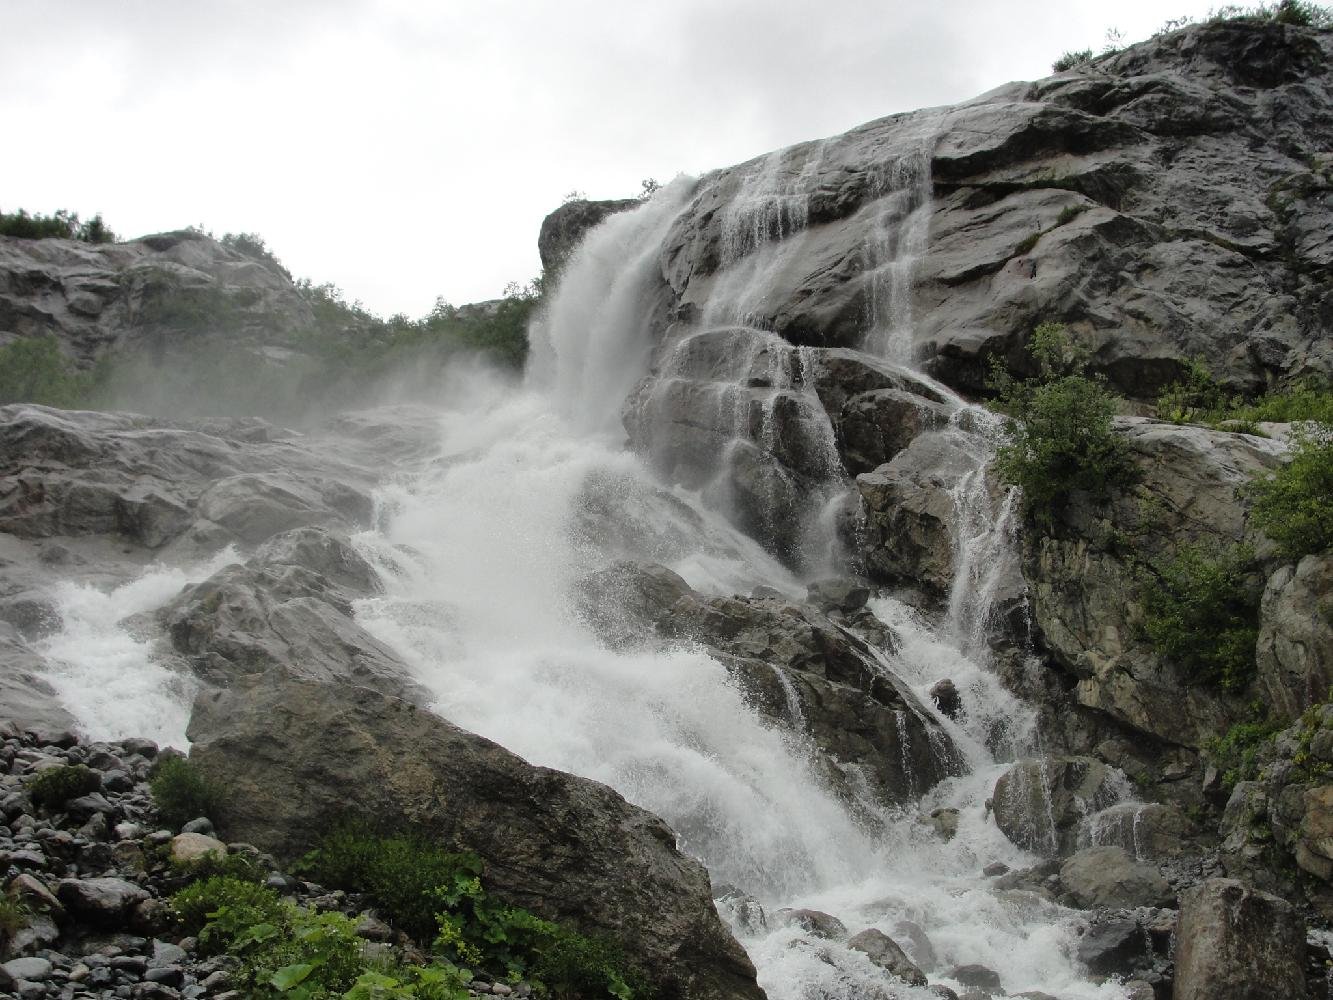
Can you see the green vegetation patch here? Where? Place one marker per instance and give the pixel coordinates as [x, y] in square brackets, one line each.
[1062, 438]
[1201, 611]
[181, 793]
[55, 786]
[62, 225]
[33, 370]
[426, 890]
[1294, 506]
[14, 916]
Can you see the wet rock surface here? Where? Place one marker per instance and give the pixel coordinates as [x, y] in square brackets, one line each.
[799, 667]
[297, 757]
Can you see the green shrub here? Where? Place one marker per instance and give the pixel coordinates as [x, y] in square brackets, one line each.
[14, 916]
[402, 873]
[55, 786]
[252, 245]
[1236, 754]
[198, 903]
[1070, 60]
[214, 865]
[181, 793]
[62, 225]
[1193, 397]
[1202, 613]
[1062, 438]
[33, 370]
[1069, 213]
[1294, 506]
[424, 889]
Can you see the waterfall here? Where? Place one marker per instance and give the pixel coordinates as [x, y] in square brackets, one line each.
[492, 536]
[482, 547]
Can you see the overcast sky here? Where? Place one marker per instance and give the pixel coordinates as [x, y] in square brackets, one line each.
[405, 149]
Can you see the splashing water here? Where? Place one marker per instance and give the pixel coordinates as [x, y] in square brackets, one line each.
[111, 679]
[483, 611]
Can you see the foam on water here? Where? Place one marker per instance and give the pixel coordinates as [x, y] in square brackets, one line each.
[109, 677]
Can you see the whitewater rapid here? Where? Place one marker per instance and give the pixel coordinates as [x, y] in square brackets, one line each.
[480, 549]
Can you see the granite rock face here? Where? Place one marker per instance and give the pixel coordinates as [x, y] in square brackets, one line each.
[144, 293]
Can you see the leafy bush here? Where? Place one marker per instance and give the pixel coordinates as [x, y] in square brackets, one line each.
[181, 793]
[1236, 753]
[1202, 612]
[1070, 60]
[62, 225]
[198, 903]
[14, 916]
[216, 865]
[33, 370]
[55, 786]
[1062, 438]
[401, 872]
[423, 889]
[1294, 506]
[1193, 397]
[252, 245]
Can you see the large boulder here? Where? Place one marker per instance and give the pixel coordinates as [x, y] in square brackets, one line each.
[277, 614]
[1295, 651]
[1110, 877]
[1043, 803]
[1235, 943]
[298, 757]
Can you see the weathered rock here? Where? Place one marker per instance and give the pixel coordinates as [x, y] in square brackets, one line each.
[1110, 877]
[187, 847]
[564, 229]
[945, 695]
[1082, 579]
[1147, 831]
[104, 901]
[1114, 947]
[815, 922]
[1295, 650]
[979, 978]
[1041, 802]
[884, 952]
[1235, 943]
[297, 757]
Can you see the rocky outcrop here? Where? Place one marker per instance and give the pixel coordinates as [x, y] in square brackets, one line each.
[1084, 580]
[1295, 651]
[798, 667]
[564, 229]
[1042, 803]
[1120, 197]
[297, 757]
[1235, 943]
[141, 294]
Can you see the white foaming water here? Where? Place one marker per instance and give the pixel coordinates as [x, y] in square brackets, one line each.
[488, 543]
[108, 677]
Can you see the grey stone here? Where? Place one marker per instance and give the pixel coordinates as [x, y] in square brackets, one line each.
[1113, 947]
[106, 901]
[1110, 877]
[1294, 656]
[36, 969]
[1041, 802]
[815, 922]
[564, 229]
[295, 756]
[1236, 943]
[978, 977]
[885, 952]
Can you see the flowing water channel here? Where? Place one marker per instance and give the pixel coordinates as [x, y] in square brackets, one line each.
[481, 548]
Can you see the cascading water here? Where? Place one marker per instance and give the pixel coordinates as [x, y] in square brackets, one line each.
[481, 550]
[488, 545]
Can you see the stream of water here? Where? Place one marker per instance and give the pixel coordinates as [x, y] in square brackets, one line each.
[480, 551]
